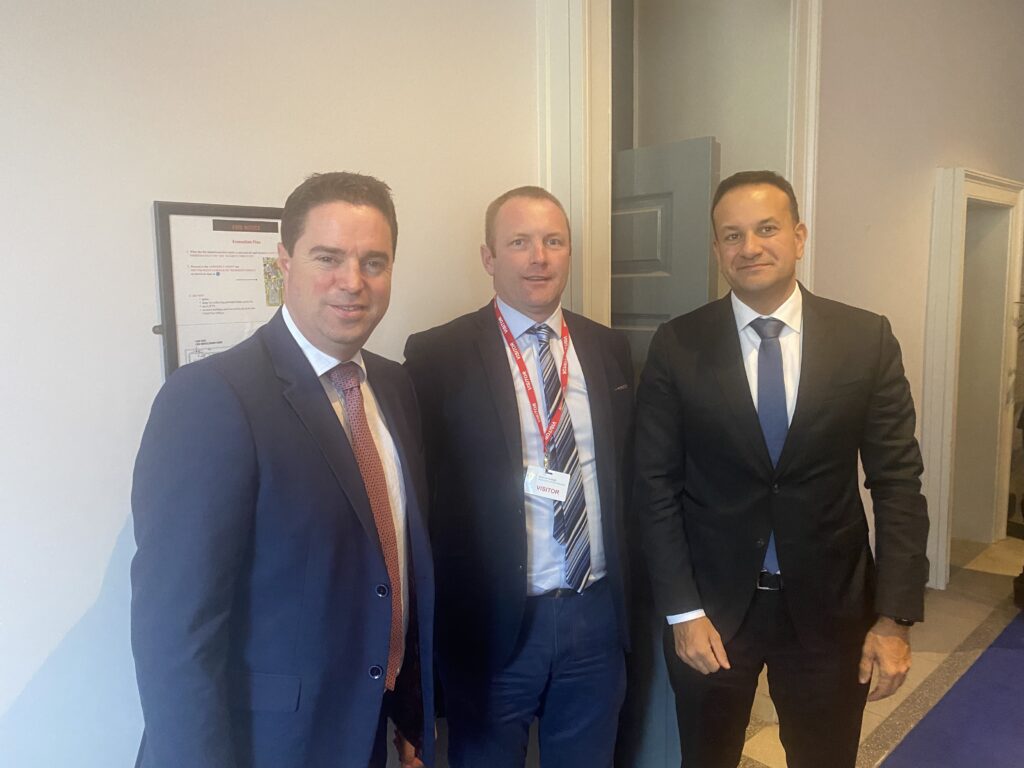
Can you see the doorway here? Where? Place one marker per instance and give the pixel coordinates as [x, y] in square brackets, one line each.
[1015, 499]
[971, 340]
[979, 511]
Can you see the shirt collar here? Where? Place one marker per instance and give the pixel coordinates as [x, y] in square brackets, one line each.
[518, 323]
[791, 311]
[319, 360]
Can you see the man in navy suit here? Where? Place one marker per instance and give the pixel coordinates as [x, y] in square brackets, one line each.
[282, 592]
[528, 412]
[752, 413]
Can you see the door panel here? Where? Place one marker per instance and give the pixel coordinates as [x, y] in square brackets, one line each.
[662, 263]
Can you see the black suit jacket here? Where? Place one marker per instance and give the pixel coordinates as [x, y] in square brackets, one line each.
[258, 626]
[475, 474]
[708, 496]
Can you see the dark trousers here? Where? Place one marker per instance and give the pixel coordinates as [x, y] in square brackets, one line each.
[816, 693]
[568, 670]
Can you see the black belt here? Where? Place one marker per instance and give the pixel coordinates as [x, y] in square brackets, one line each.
[771, 582]
[590, 589]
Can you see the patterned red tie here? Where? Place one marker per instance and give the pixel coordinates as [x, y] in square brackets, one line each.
[345, 379]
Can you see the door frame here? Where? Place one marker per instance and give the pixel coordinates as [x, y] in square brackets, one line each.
[802, 131]
[574, 97]
[954, 187]
[574, 89]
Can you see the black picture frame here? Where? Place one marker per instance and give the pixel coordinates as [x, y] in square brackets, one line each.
[244, 216]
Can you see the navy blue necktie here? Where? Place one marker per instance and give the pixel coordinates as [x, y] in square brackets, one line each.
[771, 404]
[570, 528]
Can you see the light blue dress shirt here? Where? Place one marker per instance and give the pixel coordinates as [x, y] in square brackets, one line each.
[545, 557]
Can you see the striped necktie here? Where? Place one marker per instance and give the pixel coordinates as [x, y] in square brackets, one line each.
[570, 527]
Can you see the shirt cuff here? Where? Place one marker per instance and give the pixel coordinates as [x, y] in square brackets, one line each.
[679, 618]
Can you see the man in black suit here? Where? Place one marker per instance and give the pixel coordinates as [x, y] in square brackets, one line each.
[527, 415]
[283, 572]
[752, 413]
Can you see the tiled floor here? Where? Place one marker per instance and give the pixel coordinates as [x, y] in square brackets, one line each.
[960, 623]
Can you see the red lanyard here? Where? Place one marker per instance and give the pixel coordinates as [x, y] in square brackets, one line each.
[531, 394]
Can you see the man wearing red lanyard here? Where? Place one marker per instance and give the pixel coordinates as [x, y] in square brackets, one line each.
[527, 417]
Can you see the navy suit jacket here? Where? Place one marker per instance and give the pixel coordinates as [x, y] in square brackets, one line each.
[708, 496]
[258, 625]
[475, 468]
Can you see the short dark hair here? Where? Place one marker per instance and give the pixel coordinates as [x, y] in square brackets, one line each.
[534, 193]
[750, 178]
[337, 186]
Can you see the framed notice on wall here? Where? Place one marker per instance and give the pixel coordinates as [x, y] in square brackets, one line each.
[219, 279]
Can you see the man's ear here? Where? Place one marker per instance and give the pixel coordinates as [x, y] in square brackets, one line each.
[487, 259]
[284, 259]
[801, 238]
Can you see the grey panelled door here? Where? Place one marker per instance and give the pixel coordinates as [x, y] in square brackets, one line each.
[662, 266]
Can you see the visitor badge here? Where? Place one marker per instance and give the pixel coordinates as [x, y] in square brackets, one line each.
[546, 483]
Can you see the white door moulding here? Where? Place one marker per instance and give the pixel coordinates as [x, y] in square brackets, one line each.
[954, 187]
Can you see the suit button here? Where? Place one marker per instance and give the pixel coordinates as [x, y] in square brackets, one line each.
[775, 487]
[376, 672]
[382, 590]
[760, 543]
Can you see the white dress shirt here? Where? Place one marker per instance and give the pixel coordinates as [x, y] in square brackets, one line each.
[322, 364]
[545, 557]
[791, 312]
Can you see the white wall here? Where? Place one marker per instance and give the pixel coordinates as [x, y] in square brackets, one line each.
[110, 105]
[715, 69]
[907, 87]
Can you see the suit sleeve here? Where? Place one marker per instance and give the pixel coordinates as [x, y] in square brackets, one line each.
[627, 544]
[660, 472]
[625, 361]
[892, 468]
[193, 496]
[421, 366]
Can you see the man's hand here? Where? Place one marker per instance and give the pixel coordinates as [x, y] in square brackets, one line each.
[887, 650]
[699, 645]
[407, 756]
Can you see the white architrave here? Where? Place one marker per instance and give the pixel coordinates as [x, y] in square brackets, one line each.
[574, 98]
[953, 188]
[802, 131]
[574, 94]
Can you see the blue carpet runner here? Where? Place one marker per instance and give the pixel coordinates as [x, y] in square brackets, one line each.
[979, 723]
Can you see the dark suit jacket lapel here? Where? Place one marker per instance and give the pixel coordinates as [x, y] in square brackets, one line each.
[395, 416]
[592, 361]
[307, 398]
[491, 347]
[722, 348]
[816, 363]
[388, 401]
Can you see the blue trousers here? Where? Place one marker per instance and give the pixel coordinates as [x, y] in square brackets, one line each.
[568, 670]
